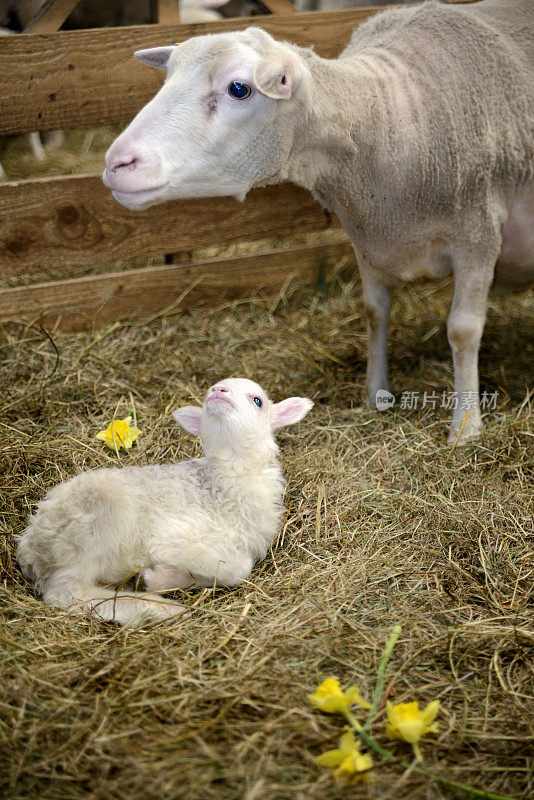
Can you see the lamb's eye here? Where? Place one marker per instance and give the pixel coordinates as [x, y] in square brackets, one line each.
[239, 90]
[258, 401]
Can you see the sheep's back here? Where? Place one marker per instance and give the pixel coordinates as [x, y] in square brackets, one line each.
[452, 99]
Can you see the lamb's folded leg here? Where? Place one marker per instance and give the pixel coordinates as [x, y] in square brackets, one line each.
[220, 569]
[159, 578]
[205, 563]
[127, 608]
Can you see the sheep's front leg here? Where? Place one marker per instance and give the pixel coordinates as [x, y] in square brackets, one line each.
[464, 328]
[377, 302]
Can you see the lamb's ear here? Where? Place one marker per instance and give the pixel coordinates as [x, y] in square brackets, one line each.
[279, 73]
[189, 418]
[289, 411]
[155, 56]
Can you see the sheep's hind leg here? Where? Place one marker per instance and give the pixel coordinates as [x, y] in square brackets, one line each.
[126, 608]
[473, 274]
[37, 146]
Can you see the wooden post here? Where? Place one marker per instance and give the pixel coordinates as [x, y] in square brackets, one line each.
[51, 16]
[279, 6]
[168, 12]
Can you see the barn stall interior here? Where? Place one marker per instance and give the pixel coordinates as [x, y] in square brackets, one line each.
[107, 313]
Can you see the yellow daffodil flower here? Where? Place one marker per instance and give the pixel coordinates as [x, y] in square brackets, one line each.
[330, 698]
[119, 434]
[407, 722]
[347, 758]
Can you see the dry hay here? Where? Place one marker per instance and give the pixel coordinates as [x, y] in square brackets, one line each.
[80, 152]
[385, 525]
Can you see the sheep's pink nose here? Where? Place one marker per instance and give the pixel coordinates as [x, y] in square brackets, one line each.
[123, 161]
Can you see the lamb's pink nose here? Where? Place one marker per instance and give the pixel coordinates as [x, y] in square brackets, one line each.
[219, 391]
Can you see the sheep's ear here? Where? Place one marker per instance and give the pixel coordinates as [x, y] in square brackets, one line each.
[189, 418]
[289, 411]
[155, 56]
[279, 73]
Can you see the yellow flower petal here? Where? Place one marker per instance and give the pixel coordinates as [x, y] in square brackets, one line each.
[407, 722]
[119, 434]
[410, 730]
[348, 765]
[330, 698]
[347, 743]
[352, 694]
[347, 758]
[330, 759]
[430, 713]
[328, 687]
[364, 761]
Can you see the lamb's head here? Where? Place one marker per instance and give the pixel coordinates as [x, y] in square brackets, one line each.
[222, 122]
[237, 419]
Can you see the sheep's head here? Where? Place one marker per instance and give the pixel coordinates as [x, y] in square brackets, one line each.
[237, 419]
[222, 122]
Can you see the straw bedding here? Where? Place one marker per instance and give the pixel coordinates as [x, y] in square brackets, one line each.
[385, 525]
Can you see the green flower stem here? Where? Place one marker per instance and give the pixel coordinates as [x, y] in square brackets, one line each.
[418, 767]
[377, 694]
[417, 752]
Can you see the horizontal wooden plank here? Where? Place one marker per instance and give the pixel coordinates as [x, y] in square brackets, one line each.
[76, 79]
[78, 304]
[74, 220]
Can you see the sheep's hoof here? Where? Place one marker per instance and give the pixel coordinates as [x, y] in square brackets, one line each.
[458, 437]
[381, 399]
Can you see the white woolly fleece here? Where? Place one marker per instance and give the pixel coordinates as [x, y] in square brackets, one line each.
[197, 523]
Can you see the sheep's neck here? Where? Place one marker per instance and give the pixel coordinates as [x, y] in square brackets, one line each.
[341, 148]
[230, 463]
[328, 137]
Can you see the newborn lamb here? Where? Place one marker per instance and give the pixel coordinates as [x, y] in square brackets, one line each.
[197, 523]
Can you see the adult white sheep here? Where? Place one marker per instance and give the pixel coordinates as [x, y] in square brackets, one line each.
[420, 137]
[199, 522]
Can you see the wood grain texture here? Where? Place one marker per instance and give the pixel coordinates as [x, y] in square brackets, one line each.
[51, 16]
[280, 6]
[168, 12]
[78, 304]
[74, 220]
[76, 79]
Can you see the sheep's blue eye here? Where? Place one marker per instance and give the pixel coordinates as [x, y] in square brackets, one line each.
[239, 90]
[258, 402]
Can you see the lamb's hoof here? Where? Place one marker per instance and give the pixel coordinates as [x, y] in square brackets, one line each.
[162, 612]
[170, 611]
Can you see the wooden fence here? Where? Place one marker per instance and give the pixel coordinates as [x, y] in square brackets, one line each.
[89, 78]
